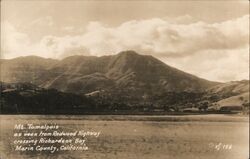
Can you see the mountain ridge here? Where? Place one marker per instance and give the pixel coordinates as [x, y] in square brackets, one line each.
[126, 81]
[125, 69]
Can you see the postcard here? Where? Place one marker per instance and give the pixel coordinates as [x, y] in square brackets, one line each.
[143, 79]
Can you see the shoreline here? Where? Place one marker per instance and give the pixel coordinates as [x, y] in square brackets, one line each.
[157, 118]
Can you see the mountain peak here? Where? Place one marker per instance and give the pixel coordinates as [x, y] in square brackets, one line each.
[128, 53]
[32, 58]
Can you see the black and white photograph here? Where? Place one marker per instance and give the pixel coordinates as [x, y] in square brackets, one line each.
[124, 79]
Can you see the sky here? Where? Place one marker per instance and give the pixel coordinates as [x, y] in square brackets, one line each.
[209, 39]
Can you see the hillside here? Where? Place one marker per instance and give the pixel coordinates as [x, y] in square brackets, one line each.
[25, 69]
[234, 87]
[227, 90]
[237, 100]
[26, 98]
[85, 74]
[127, 82]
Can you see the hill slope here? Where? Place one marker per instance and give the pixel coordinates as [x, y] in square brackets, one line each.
[237, 100]
[235, 87]
[85, 74]
[25, 69]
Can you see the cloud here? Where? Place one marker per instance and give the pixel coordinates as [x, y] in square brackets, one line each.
[61, 47]
[13, 43]
[68, 28]
[42, 22]
[163, 38]
[185, 19]
[183, 42]
[216, 65]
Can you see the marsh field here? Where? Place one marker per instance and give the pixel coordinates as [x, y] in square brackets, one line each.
[139, 137]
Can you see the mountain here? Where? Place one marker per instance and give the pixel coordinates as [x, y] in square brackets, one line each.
[85, 74]
[127, 82]
[25, 69]
[233, 87]
[234, 93]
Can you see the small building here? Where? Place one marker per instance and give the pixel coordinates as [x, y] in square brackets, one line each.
[190, 110]
[9, 90]
[233, 109]
[158, 110]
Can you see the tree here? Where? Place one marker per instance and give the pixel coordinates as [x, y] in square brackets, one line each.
[204, 106]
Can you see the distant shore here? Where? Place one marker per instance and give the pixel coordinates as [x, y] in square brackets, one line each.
[158, 118]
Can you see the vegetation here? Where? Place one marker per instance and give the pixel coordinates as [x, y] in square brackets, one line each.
[26, 98]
